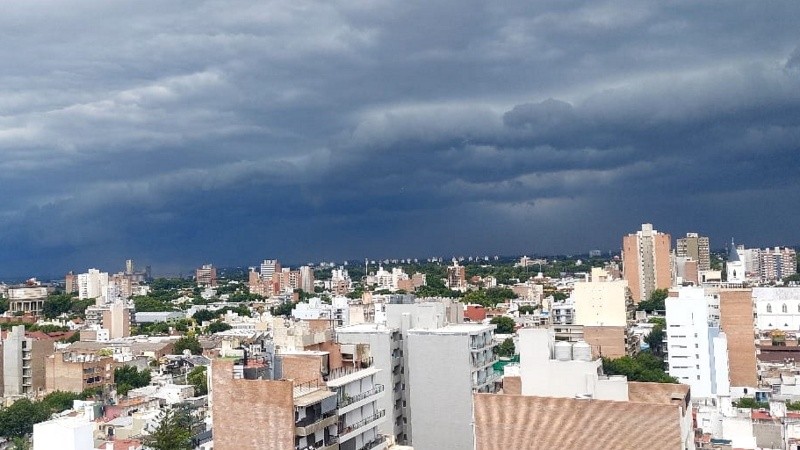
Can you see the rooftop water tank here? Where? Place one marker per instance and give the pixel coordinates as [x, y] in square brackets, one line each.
[563, 350]
[582, 351]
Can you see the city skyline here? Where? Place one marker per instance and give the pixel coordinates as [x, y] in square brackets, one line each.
[191, 132]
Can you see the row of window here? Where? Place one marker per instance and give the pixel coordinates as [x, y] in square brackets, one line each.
[784, 308]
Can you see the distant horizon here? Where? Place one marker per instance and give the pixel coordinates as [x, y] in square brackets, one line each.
[189, 271]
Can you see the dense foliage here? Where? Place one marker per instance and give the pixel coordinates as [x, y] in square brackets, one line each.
[655, 302]
[642, 367]
[488, 298]
[128, 377]
[506, 348]
[17, 420]
[173, 431]
[188, 343]
[751, 403]
[218, 326]
[505, 325]
[197, 378]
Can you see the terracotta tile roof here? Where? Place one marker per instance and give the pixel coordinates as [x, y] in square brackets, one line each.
[526, 422]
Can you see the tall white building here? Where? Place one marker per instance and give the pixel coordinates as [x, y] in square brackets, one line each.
[386, 351]
[93, 284]
[360, 414]
[446, 365]
[697, 351]
[307, 279]
[269, 267]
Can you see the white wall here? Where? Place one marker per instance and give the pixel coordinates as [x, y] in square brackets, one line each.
[770, 302]
[66, 433]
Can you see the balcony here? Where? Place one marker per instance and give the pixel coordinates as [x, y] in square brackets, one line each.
[348, 431]
[346, 401]
[375, 443]
[309, 426]
[333, 444]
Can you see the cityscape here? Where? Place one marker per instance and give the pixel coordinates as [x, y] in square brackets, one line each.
[399, 225]
[696, 346]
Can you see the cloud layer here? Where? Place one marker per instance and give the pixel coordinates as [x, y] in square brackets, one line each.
[182, 132]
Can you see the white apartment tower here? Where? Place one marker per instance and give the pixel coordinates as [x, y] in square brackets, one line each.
[92, 284]
[697, 351]
[360, 414]
[268, 268]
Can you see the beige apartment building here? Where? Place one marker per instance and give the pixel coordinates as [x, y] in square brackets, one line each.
[696, 247]
[647, 261]
[76, 372]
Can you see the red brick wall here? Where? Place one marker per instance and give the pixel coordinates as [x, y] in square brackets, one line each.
[250, 414]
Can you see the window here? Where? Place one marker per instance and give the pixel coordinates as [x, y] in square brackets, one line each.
[769, 308]
[784, 308]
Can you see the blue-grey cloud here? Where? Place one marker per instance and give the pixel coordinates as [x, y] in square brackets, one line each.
[183, 132]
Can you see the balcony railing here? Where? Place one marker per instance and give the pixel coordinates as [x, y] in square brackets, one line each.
[345, 401]
[373, 443]
[332, 443]
[361, 423]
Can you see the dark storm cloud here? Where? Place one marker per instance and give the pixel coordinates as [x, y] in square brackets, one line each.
[182, 132]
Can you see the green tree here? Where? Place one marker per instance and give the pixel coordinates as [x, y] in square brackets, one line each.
[284, 309]
[58, 401]
[218, 326]
[655, 302]
[527, 309]
[129, 377]
[751, 403]
[506, 348]
[56, 304]
[17, 420]
[655, 339]
[172, 432]
[188, 343]
[197, 377]
[505, 325]
[205, 315]
[146, 303]
[642, 367]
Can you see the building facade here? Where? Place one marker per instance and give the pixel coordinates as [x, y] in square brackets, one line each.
[446, 366]
[647, 262]
[696, 247]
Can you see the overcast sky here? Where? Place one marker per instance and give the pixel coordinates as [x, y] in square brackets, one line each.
[184, 132]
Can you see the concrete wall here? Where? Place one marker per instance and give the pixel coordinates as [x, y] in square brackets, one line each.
[440, 391]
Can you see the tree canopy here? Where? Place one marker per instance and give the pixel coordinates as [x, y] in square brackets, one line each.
[506, 348]
[197, 378]
[128, 377]
[655, 302]
[642, 367]
[505, 325]
[172, 433]
[188, 343]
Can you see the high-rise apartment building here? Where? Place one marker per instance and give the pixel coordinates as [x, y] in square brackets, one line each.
[24, 362]
[70, 283]
[697, 350]
[696, 247]
[92, 284]
[268, 268]
[456, 276]
[777, 263]
[206, 275]
[647, 262]
[307, 279]
[605, 309]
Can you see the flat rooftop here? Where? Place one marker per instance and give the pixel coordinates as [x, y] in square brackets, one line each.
[462, 328]
[365, 328]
